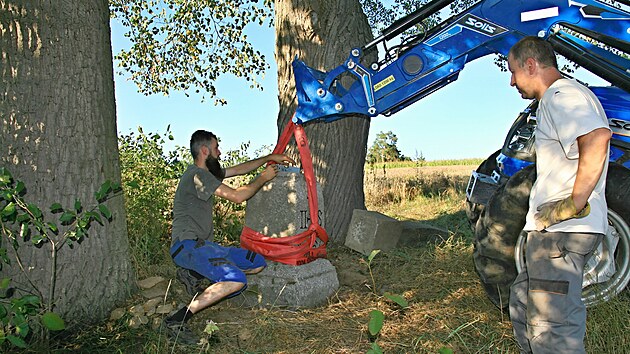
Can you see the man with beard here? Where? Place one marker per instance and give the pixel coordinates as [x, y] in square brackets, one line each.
[192, 247]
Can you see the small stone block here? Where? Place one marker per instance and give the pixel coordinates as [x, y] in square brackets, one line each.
[370, 230]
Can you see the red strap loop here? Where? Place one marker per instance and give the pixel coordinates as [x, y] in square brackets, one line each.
[300, 248]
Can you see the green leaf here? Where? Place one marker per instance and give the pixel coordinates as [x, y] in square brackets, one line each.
[22, 329]
[133, 184]
[19, 187]
[24, 230]
[372, 255]
[34, 209]
[211, 327]
[53, 322]
[84, 222]
[104, 211]
[77, 206]
[4, 283]
[53, 227]
[37, 239]
[55, 208]
[6, 195]
[95, 216]
[5, 175]
[3, 311]
[445, 350]
[376, 322]
[31, 300]
[17, 341]
[401, 301]
[106, 187]
[66, 217]
[9, 209]
[22, 218]
[79, 233]
[375, 349]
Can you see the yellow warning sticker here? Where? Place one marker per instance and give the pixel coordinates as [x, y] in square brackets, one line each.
[388, 80]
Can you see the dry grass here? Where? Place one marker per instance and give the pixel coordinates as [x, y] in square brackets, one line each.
[447, 306]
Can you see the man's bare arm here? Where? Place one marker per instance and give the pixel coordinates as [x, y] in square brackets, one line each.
[593, 148]
[242, 193]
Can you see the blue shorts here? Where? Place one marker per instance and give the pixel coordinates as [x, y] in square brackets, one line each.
[215, 262]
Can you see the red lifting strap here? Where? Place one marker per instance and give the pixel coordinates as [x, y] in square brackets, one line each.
[297, 249]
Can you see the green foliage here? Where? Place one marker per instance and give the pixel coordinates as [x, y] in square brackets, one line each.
[377, 317]
[369, 263]
[375, 349]
[211, 328]
[398, 299]
[154, 172]
[187, 45]
[376, 322]
[384, 149]
[20, 222]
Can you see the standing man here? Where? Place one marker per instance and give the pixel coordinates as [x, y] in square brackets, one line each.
[192, 248]
[567, 214]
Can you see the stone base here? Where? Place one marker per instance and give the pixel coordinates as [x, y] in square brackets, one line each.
[288, 286]
[370, 231]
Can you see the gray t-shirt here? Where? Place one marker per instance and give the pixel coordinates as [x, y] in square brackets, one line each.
[567, 111]
[192, 207]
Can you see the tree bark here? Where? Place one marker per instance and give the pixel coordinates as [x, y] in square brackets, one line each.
[58, 129]
[322, 33]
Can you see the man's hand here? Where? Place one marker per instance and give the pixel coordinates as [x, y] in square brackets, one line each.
[269, 173]
[552, 213]
[281, 159]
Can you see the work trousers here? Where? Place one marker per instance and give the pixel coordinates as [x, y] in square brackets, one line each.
[546, 306]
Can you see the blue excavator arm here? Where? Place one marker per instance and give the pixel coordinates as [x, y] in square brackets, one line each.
[592, 34]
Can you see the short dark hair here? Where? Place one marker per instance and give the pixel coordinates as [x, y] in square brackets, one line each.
[199, 139]
[536, 48]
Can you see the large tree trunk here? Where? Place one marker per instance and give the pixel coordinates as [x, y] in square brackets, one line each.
[58, 128]
[322, 33]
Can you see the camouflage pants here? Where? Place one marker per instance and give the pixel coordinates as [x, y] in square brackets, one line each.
[546, 305]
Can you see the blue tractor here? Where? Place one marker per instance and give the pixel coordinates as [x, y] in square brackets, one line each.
[413, 62]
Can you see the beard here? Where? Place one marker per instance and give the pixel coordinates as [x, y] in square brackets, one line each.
[214, 166]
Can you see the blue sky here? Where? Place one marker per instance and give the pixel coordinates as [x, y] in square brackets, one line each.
[468, 118]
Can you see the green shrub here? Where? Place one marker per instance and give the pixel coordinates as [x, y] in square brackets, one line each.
[149, 206]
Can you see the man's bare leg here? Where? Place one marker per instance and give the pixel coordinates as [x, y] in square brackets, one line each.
[213, 294]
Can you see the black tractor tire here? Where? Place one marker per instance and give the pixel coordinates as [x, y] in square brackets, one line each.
[618, 200]
[473, 210]
[618, 190]
[496, 233]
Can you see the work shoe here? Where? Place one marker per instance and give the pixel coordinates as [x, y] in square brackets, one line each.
[191, 280]
[179, 332]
